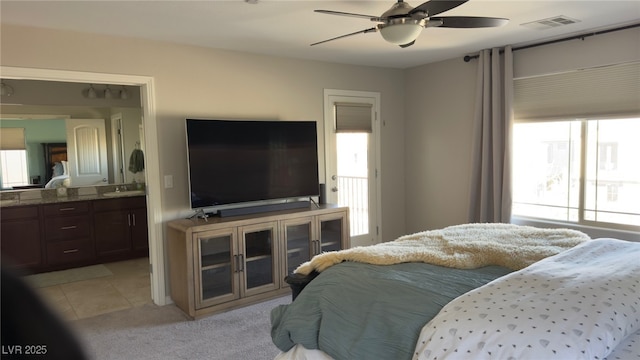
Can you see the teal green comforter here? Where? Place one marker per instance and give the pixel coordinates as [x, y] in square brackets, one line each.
[362, 311]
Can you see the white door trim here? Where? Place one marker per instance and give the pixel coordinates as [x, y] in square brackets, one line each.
[152, 161]
[117, 144]
[328, 113]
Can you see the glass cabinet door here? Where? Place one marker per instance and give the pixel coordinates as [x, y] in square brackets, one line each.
[258, 263]
[215, 268]
[300, 241]
[332, 232]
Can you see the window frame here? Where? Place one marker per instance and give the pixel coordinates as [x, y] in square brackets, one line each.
[607, 228]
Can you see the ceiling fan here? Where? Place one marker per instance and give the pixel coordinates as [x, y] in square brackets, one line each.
[402, 23]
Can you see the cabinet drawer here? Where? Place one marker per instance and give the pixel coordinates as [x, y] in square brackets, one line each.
[69, 251]
[119, 204]
[67, 208]
[19, 212]
[67, 227]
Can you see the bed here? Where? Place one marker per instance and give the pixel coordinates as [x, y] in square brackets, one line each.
[60, 176]
[481, 291]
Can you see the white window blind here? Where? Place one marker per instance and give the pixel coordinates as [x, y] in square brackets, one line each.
[353, 117]
[12, 139]
[588, 93]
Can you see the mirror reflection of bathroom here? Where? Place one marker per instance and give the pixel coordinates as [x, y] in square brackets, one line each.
[128, 148]
[62, 134]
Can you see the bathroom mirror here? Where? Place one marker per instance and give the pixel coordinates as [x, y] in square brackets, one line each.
[46, 119]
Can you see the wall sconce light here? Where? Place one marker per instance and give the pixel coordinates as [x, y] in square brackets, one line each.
[5, 90]
[91, 92]
[106, 94]
[124, 94]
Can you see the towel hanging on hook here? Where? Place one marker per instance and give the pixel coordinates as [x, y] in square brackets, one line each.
[136, 160]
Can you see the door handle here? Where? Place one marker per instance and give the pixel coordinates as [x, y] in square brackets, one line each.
[241, 262]
[316, 247]
[334, 189]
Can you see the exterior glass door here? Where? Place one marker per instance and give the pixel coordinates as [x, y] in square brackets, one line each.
[352, 164]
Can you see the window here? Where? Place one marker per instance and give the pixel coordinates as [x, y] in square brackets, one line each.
[16, 160]
[582, 171]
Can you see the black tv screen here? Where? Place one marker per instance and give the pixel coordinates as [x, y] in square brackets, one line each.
[239, 161]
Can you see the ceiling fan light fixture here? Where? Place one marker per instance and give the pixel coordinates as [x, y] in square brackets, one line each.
[401, 33]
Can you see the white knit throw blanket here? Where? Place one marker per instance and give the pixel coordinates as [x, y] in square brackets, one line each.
[467, 246]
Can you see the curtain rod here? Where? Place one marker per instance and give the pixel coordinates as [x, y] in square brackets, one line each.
[468, 58]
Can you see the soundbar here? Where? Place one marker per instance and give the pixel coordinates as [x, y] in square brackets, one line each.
[263, 208]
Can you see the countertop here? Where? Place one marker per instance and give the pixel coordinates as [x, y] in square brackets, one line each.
[52, 196]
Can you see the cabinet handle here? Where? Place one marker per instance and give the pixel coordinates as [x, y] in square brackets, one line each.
[68, 227]
[241, 262]
[133, 217]
[70, 251]
[129, 219]
[237, 264]
[67, 209]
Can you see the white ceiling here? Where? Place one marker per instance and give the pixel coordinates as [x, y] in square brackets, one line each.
[287, 28]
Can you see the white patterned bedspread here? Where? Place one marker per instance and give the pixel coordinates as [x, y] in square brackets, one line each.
[579, 304]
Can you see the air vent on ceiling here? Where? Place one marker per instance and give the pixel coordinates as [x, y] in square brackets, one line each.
[551, 22]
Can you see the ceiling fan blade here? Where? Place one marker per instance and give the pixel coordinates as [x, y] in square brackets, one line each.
[468, 21]
[435, 7]
[331, 12]
[373, 29]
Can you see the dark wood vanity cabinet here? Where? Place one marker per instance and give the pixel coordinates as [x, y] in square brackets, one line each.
[20, 238]
[120, 227]
[68, 233]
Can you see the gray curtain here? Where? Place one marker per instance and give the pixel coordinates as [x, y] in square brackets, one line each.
[491, 158]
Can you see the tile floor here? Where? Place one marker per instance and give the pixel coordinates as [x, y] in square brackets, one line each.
[128, 287]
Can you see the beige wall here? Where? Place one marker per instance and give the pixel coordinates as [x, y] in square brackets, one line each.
[440, 101]
[439, 111]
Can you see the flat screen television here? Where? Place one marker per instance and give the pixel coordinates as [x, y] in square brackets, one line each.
[246, 161]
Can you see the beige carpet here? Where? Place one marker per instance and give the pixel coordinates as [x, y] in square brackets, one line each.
[153, 332]
[67, 276]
